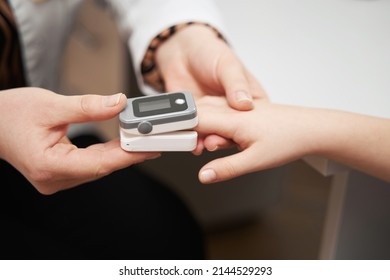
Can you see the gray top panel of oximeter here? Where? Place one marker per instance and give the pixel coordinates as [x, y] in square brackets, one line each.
[132, 116]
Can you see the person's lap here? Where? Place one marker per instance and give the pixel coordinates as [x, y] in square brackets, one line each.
[126, 215]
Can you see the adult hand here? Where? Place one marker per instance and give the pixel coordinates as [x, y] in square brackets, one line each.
[33, 127]
[196, 59]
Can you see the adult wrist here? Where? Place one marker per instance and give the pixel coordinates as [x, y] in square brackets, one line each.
[149, 69]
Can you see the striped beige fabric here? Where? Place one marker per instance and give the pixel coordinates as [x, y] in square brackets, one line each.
[11, 65]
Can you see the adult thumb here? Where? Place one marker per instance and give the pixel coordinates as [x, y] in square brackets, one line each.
[84, 108]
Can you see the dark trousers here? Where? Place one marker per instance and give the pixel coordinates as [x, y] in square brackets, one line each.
[126, 215]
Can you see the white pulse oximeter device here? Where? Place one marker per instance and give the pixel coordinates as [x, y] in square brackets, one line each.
[159, 123]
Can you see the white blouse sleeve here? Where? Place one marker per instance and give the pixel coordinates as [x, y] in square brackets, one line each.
[142, 20]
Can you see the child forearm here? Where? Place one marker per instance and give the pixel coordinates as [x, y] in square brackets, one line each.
[362, 142]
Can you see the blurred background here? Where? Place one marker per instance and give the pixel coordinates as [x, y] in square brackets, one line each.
[276, 214]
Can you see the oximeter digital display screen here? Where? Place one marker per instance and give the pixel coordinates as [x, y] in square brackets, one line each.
[154, 105]
[159, 105]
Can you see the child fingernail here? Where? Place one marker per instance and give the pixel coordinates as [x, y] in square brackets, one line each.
[208, 176]
[213, 149]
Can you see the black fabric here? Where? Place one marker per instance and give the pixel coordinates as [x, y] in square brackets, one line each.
[126, 215]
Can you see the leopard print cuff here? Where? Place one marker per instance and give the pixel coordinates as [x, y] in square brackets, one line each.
[149, 69]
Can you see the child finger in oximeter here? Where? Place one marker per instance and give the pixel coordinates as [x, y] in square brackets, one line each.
[159, 123]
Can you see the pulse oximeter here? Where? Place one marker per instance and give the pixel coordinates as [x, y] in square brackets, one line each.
[159, 123]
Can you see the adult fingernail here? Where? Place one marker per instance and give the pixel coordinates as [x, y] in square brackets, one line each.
[243, 96]
[154, 156]
[112, 100]
[197, 153]
[208, 176]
